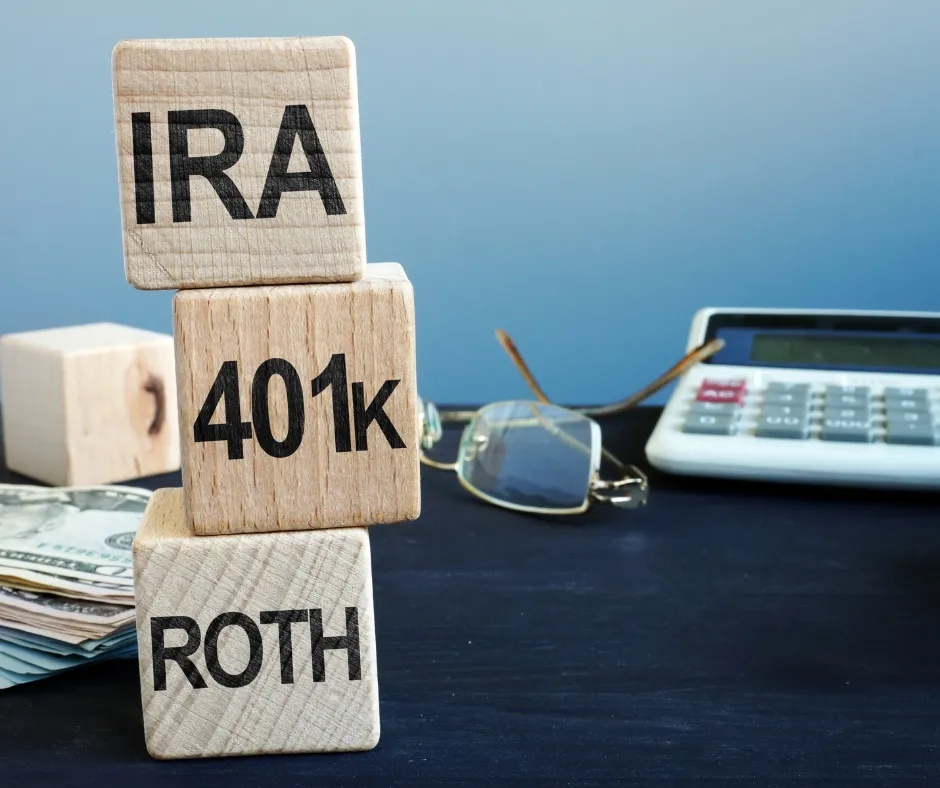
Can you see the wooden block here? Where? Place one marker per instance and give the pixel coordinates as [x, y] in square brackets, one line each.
[89, 404]
[298, 404]
[239, 161]
[253, 644]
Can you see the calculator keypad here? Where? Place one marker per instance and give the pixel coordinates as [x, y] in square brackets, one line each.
[798, 411]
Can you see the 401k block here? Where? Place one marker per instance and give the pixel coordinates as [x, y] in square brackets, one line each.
[89, 404]
[253, 644]
[298, 404]
[239, 161]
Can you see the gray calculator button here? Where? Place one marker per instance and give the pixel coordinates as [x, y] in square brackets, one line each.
[922, 416]
[789, 388]
[900, 393]
[847, 400]
[707, 424]
[912, 434]
[857, 391]
[715, 408]
[786, 398]
[793, 427]
[851, 430]
[779, 411]
[799, 410]
[854, 414]
[906, 404]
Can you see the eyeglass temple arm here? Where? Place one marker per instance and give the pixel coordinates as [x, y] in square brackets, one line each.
[692, 358]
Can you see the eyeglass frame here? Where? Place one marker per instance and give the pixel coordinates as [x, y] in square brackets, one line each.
[599, 490]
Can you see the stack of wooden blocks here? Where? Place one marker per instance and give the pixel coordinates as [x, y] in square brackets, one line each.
[241, 187]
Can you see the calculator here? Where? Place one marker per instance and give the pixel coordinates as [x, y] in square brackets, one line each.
[832, 397]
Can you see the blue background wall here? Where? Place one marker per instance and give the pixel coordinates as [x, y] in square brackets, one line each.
[584, 174]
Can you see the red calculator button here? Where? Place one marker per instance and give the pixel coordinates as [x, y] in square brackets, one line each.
[724, 384]
[733, 391]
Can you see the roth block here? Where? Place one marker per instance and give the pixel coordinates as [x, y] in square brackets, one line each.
[253, 644]
[298, 404]
[239, 161]
[90, 404]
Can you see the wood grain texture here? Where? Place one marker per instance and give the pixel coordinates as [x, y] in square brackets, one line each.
[89, 404]
[255, 79]
[178, 574]
[369, 322]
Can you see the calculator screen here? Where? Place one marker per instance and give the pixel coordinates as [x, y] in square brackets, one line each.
[858, 352]
[871, 343]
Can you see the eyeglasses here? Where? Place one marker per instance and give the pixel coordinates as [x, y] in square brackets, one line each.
[539, 457]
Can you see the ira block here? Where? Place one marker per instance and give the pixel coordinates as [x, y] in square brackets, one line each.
[90, 404]
[253, 644]
[239, 161]
[298, 404]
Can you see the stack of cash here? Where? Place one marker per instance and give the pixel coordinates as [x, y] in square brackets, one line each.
[66, 578]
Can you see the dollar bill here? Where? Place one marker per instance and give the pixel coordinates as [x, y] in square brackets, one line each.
[21, 659]
[78, 533]
[28, 580]
[62, 608]
[120, 638]
[75, 637]
[62, 632]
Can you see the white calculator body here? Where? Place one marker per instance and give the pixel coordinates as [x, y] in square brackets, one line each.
[831, 397]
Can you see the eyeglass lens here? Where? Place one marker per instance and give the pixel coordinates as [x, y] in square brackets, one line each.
[529, 455]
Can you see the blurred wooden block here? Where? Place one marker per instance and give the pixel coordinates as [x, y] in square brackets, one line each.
[89, 404]
[298, 404]
[253, 644]
[239, 161]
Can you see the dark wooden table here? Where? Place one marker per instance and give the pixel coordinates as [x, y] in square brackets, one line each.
[729, 632]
